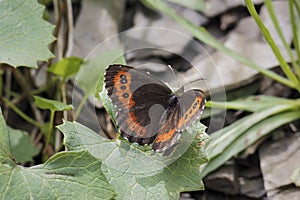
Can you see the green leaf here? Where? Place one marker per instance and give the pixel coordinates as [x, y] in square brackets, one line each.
[296, 177]
[107, 104]
[233, 139]
[92, 72]
[71, 175]
[24, 34]
[4, 138]
[52, 105]
[191, 4]
[68, 175]
[135, 173]
[66, 68]
[21, 146]
[251, 103]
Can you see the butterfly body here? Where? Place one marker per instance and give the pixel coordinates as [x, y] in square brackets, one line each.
[148, 112]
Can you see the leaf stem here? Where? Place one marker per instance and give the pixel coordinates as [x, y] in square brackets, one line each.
[80, 106]
[64, 97]
[1, 81]
[49, 132]
[20, 113]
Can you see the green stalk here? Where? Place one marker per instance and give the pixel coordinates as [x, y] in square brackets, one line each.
[80, 106]
[1, 81]
[48, 134]
[284, 66]
[64, 97]
[297, 6]
[20, 113]
[274, 19]
[296, 32]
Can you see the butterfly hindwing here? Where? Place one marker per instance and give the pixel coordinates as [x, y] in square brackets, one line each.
[168, 134]
[187, 111]
[191, 105]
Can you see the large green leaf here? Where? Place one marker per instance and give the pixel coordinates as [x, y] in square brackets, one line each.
[136, 173]
[21, 146]
[24, 34]
[68, 175]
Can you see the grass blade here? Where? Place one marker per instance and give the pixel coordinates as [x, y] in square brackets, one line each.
[274, 19]
[265, 32]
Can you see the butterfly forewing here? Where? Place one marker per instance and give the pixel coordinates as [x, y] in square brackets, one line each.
[140, 99]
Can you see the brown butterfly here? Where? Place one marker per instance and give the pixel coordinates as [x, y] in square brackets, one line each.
[148, 112]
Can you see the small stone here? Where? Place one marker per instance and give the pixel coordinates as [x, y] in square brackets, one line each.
[253, 188]
[278, 160]
[223, 180]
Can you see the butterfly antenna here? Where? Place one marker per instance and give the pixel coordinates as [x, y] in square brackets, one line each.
[198, 79]
[172, 71]
[180, 90]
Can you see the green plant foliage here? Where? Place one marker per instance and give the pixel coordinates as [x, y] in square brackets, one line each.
[21, 146]
[253, 103]
[24, 34]
[4, 139]
[66, 68]
[73, 175]
[52, 105]
[134, 173]
[234, 138]
[265, 32]
[203, 35]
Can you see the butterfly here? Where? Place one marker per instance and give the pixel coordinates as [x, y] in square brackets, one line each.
[147, 111]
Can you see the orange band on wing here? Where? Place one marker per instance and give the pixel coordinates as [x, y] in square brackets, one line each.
[196, 105]
[122, 81]
[166, 136]
[134, 125]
